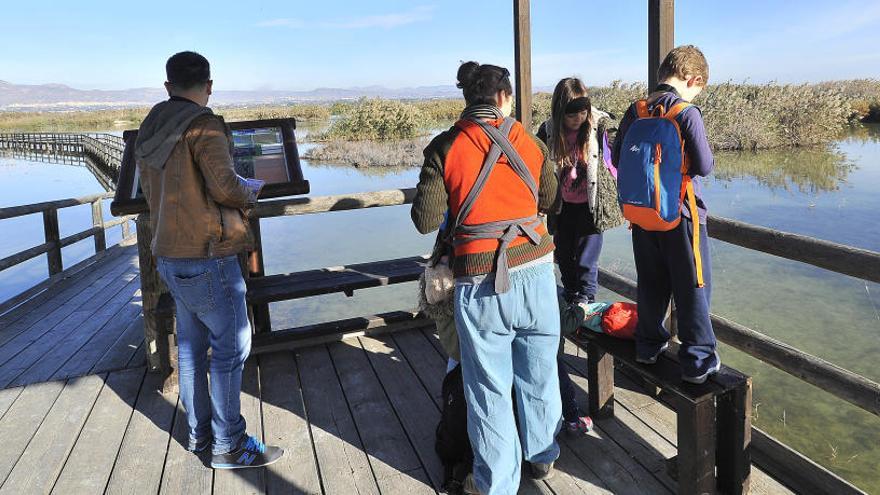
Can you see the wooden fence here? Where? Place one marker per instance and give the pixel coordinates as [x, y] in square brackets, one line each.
[102, 152]
[53, 242]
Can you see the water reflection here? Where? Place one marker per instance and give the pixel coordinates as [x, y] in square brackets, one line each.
[802, 169]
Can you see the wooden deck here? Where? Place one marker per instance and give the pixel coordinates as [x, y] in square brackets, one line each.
[79, 414]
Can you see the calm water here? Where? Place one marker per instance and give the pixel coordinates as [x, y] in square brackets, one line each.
[829, 195]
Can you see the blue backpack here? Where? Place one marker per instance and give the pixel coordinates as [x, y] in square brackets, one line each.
[652, 178]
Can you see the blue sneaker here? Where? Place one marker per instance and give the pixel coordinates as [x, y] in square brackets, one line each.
[700, 379]
[652, 359]
[250, 453]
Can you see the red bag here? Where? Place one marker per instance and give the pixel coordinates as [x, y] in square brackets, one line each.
[620, 320]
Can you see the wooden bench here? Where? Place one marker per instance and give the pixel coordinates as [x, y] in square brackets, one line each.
[713, 419]
[347, 279]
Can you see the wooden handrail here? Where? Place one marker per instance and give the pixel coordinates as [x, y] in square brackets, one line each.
[839, 258]
[847, 260]
[323, 204]
[53, 241]
[17, 211]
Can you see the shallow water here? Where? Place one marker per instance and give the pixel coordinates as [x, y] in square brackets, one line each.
[829, 195]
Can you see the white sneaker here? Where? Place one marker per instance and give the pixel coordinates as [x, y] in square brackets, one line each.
[652, 359]
[700, 379]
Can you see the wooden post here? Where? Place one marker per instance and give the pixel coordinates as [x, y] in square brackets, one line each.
[158, 327]
[732, 454]
[696, 447]
[522, 52]
[50, 228]
[255, 268]
[98, 221]
[600, 381]
[661, 35]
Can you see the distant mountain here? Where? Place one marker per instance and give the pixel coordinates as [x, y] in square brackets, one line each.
[25, 97]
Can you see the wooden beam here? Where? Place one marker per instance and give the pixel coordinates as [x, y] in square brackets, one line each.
[258, 312]
[17, 211]
[50, 228]
[839, 258]
[321, 204]
[522, 51]
[733, 418]
[661, 35]
[696, 447]
[794, 470]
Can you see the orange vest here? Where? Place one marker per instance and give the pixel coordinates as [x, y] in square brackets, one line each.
[505, 196]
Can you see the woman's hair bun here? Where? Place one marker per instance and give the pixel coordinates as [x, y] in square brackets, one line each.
[467, 73]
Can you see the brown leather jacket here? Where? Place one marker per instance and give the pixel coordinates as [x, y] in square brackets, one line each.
[197, 202]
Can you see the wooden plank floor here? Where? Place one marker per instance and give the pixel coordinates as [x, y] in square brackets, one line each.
[79, 413]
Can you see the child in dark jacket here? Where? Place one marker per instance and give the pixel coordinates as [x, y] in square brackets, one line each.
[665, 261]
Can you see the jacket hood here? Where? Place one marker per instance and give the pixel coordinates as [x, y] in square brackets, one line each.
[162, 129]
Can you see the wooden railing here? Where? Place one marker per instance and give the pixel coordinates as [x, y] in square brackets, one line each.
[103, 150]
[776, 458]
[53, 242]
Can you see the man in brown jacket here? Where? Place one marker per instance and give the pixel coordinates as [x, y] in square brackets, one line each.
[197, 213]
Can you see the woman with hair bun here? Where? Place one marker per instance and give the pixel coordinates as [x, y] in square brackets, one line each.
[494, 179]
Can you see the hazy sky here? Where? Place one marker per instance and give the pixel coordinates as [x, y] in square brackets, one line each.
[287, 44]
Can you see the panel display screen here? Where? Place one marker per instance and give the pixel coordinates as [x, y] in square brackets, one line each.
[264, 150]
[259, 154]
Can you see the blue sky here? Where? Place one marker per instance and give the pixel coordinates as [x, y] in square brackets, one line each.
[300, 45]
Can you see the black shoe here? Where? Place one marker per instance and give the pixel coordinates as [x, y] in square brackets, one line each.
[541, 471]
[197, 446]
[249, 454]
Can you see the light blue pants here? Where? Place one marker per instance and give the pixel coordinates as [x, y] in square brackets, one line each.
[211, 314]
[509, 341]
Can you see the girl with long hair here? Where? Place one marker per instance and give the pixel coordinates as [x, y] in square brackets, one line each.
[577, 138]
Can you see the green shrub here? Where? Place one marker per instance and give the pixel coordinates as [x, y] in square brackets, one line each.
[373, 118]
[440, 111]
[615, 99]
[342, 108]
[70, 121]
[752, 117]
[300, 111]
[405, 153]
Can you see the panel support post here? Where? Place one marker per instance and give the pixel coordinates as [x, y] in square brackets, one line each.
[158, 307]
[661, 36]
[522, 50]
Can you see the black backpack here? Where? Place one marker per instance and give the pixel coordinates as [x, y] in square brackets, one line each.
[452, 443]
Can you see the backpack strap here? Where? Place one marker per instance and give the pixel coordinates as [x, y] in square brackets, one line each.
[483, 177]
[695, 217]
[673, 114]
[642, 109]
[676, 110]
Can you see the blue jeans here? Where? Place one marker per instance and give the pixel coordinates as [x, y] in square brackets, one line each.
[510, 341]
[665, 268]
[211, 313]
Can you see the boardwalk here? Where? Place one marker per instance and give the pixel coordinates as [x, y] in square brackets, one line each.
[79, 414]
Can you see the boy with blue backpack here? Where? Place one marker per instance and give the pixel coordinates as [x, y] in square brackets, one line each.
[661, 150]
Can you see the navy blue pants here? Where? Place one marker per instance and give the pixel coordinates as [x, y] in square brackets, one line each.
[578, 245]
[570, 409]
[665, 267]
